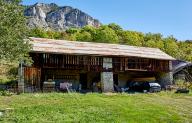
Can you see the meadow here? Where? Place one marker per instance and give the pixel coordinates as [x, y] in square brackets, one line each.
[93, 107]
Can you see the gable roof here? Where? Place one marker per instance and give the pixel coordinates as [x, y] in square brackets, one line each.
[43, 45]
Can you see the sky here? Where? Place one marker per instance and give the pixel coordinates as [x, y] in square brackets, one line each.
[168, 17]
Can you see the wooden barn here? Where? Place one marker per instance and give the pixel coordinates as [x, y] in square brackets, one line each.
[84, 64]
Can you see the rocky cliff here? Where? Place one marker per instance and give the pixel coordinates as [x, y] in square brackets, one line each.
[56, 17]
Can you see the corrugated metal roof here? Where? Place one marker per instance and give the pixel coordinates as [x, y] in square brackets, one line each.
[44, 45]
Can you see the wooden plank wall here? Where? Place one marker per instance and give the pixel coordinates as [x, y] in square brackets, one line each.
[32, 76]
[95, 63]
[72, 62]
[143, 64]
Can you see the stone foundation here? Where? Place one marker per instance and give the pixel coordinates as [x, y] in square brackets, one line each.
[165, 78]
[107, 81]
[107, 77]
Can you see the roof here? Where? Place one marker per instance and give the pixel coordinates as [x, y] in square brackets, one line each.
[43, 45]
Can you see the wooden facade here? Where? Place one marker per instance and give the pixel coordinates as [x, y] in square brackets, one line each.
[95, 63]
[58, 66]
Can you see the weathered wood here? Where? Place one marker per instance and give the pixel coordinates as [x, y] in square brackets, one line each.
[94, 63]
[32, 76]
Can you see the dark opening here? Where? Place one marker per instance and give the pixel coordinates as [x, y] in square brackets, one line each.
[115, 79]
[83, 81]
[42, 78]
[115, 82]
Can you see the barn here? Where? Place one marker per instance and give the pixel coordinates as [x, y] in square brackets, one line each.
[85, 64]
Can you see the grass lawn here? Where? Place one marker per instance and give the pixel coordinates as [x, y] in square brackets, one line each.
[131, 108]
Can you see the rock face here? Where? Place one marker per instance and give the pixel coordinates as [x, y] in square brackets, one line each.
[57, 18]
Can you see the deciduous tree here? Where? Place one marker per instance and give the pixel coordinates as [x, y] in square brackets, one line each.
[13, 31]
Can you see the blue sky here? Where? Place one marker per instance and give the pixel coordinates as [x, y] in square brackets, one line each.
[169, 17]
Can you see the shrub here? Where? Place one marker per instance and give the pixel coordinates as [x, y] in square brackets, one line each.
[5, 93]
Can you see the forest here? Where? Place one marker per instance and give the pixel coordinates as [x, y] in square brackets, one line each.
[113, 33]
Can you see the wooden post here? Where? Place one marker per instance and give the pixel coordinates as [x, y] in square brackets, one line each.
[21, 85]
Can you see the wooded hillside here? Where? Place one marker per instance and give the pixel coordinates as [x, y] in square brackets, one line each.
[113, 33]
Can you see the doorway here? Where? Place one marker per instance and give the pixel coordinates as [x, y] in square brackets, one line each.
[115, 79]
[83, 81]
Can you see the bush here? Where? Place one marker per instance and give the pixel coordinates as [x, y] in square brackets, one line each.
[182, 84]
[5, 93]
[4, 80]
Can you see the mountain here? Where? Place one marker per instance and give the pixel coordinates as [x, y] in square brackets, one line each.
[56, 17]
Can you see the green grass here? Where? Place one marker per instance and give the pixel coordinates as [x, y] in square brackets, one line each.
[120, 108]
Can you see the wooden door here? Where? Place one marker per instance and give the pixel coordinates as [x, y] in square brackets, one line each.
[32, 76]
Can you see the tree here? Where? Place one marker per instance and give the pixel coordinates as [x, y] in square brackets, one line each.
[151, 43]
[106, 35]
[40, 33]
[13, 31]
[90, 29]
[72, 30]
[13, 38]
[84, 36]
[153, 40]
[115, 27]
[132, 38]
[186, 48]
[86, 33]
[171, 47]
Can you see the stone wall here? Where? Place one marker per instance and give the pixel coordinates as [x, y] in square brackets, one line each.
[165, 78]
[107, 81]
[107, 77]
